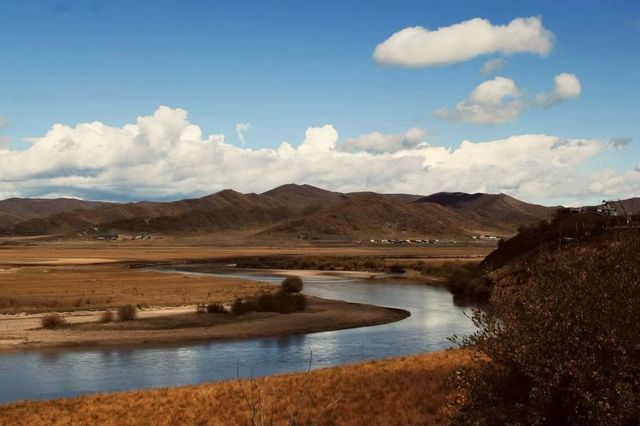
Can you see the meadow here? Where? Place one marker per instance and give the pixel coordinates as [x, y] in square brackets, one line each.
[414, 390]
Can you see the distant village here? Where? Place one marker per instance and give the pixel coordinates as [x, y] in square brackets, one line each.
[432, 241]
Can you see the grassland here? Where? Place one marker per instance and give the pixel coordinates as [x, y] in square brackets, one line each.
[82, 287]
[30, 252]
[411, 390]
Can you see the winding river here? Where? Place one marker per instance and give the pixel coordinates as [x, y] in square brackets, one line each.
[64, 373]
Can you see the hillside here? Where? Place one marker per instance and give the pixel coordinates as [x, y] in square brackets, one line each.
[376, 216]
[16, 210]
[497, 210]
[287, 212]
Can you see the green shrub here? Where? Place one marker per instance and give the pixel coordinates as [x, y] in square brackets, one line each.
[107, 316]
[216, 308]
[127, 313]
[291, 285]
[562, 342]
[52, 321]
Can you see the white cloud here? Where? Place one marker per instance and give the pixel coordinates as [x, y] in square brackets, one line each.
[377, 142]
[319, 140]
[500, 100]
[164, 155]
[420, 47]
[491, 102]
[566, 86]
[493, 65]
[3, 122]
[241, 130]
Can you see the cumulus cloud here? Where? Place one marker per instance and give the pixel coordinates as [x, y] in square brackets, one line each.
[493, 65]
[421, 47]
[491, 102]
[165, 156]
[377, 142]
[566, 86]
[241, 131]
[500, 100]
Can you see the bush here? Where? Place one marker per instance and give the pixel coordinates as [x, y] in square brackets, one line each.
[52, 321]
[396, 269]
[562, 342]
[282, 302]
[291, 285]
[127, 313]
[265, 303]
[107, 316]
[286, 303]
[216, 308]
[242, 306]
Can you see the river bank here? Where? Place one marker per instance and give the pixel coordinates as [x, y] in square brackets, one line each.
[405, 390]
[23, 332]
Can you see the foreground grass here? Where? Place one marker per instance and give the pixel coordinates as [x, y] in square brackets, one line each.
[400, 391]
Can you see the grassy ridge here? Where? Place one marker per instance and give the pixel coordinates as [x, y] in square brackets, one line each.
[408, 390]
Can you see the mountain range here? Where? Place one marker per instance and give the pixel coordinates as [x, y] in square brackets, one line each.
[287, 212]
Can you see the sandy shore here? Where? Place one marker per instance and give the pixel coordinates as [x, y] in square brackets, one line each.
[23, 332]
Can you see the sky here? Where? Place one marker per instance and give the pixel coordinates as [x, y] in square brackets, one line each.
[162, 100]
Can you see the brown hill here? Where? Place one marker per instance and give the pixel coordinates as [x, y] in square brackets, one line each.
[377, 216]
[16, 210]
[303, 196]
[289, 211]
[498, 210]
[223, 210]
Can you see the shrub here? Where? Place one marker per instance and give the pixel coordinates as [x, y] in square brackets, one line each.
[127, 313]
[265, 303]
[396, 269]
[561, 339]
[107, 316]
[286, 303]
[242, 306]
[216, 308]
[291, 285]
[52, 321]
[281, 302]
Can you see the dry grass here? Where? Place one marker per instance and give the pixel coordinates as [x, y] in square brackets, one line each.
[78, 252]
[101, 286]
[401, 391]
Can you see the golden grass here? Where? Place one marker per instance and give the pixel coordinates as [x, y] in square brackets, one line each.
[77, 252]
[401, 391]
[99, 286]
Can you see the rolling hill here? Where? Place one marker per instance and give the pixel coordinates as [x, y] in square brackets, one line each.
[287, 212]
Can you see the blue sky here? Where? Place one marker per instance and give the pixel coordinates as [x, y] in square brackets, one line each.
[285, 66]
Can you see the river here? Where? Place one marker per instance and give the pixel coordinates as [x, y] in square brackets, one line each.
[67, 372]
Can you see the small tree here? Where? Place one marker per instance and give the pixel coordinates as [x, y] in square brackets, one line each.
[52, 321]
[560, 343]
[127, 313]
[291, 285]
[107, 316]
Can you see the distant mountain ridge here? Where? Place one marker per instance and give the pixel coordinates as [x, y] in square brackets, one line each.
[287, 212]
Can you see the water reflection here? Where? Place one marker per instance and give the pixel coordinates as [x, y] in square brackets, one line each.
[434, 318]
